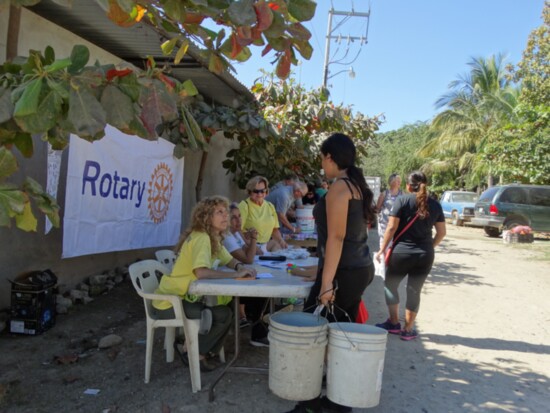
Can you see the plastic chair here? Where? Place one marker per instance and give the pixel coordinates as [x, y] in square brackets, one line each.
[166, 257]
[145, 282]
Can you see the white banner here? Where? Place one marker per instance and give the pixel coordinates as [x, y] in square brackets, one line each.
[54, 167]
[123, 193]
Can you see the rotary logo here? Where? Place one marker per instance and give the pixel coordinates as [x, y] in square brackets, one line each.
[160, 192]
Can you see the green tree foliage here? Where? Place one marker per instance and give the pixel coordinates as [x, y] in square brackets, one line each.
[300, 120]
[477, 103]
[520, 152]
[397, 151]
[533, 70]
[275, 25]
[54, 98]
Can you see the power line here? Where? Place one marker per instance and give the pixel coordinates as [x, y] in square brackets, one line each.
[347, 16]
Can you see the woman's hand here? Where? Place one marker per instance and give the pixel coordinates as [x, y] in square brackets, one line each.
[308, 273]
[250, 235]
[378, 256]
[248, 272]
[327, 295]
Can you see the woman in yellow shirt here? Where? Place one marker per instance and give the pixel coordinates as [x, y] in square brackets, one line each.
[200, 253]
[259, 214]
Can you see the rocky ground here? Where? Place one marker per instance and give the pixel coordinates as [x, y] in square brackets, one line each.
[484, 323]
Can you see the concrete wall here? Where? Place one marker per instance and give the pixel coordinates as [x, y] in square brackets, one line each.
[21, 251]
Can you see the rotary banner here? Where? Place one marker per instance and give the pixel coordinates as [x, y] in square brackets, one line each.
[123, 193]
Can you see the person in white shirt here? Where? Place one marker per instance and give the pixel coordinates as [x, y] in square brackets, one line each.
[243, 247]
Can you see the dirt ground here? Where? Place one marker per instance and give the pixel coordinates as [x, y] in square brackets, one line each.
[484, 327]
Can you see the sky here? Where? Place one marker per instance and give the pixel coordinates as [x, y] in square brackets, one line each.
[415, 48]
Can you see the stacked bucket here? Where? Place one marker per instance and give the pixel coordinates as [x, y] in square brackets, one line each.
[354, 356]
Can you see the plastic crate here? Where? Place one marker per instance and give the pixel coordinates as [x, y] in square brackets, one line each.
[33, 303]
[509, 237]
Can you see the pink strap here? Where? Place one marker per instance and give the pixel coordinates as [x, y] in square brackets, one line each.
[405, 229]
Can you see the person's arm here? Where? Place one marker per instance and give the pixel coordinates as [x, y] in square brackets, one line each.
[309, 273]
[276, 235]
[337, 200]
[286, 223]
[393, 224]
[247, 252]
[241, 270]
[440, 232]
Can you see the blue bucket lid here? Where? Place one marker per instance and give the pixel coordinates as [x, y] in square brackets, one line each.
[294, 319]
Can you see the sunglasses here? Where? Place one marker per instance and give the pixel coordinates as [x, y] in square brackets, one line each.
[259, 191]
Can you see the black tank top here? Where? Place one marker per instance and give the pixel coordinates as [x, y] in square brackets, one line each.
[355, 252]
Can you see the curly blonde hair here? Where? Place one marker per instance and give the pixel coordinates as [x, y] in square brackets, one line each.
[201, 221]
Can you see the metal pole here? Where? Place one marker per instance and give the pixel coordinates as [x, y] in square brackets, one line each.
[327, 47]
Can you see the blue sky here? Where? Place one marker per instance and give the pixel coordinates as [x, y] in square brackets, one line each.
[415, 49]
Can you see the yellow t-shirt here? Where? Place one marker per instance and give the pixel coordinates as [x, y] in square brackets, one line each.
[195, 253]
[263, 218]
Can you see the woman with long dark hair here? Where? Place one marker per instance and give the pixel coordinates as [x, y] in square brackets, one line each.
[413, 255]
[345, 266]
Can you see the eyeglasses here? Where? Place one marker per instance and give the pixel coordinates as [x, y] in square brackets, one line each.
[259, 191]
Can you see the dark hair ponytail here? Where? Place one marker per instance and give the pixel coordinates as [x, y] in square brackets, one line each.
[356, 176]
[342, 151]
[419, 185]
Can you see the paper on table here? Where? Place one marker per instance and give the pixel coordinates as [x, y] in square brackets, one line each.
[261, 275]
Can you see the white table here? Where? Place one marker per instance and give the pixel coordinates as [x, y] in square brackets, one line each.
[282, 285]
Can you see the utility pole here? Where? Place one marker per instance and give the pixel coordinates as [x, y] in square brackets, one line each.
[330, 36]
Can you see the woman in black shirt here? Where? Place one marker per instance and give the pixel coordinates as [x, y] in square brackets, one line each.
[413, 255]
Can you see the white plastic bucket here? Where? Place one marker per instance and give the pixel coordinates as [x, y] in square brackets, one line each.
[355, 363]
[304, 219]
[297, 345]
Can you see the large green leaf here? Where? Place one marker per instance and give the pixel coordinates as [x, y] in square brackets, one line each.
[49, 55]
[302, 10]
[181, 51]
[79, 58]
[60, 87]
[86, 115]
[173, 9]
[28, 102]
[26, 221]
[6, 107]
[277, 27]
[242, 13]
[118, 107]
[8, 164]
[12, 199]
[194, 131]
[58, 65]
[130, 86]
[45, 117]
[23, 142]
[157, 105]
[304, 48]
[190, 88]
[168, 46]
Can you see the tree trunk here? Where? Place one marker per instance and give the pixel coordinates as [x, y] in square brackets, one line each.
[490, 181]
[12, 42]
[198, 187]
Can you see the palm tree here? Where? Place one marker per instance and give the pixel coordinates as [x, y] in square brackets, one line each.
[477, 102]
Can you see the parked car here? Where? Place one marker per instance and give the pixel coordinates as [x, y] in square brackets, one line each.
[458, 206]
[507, 206]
